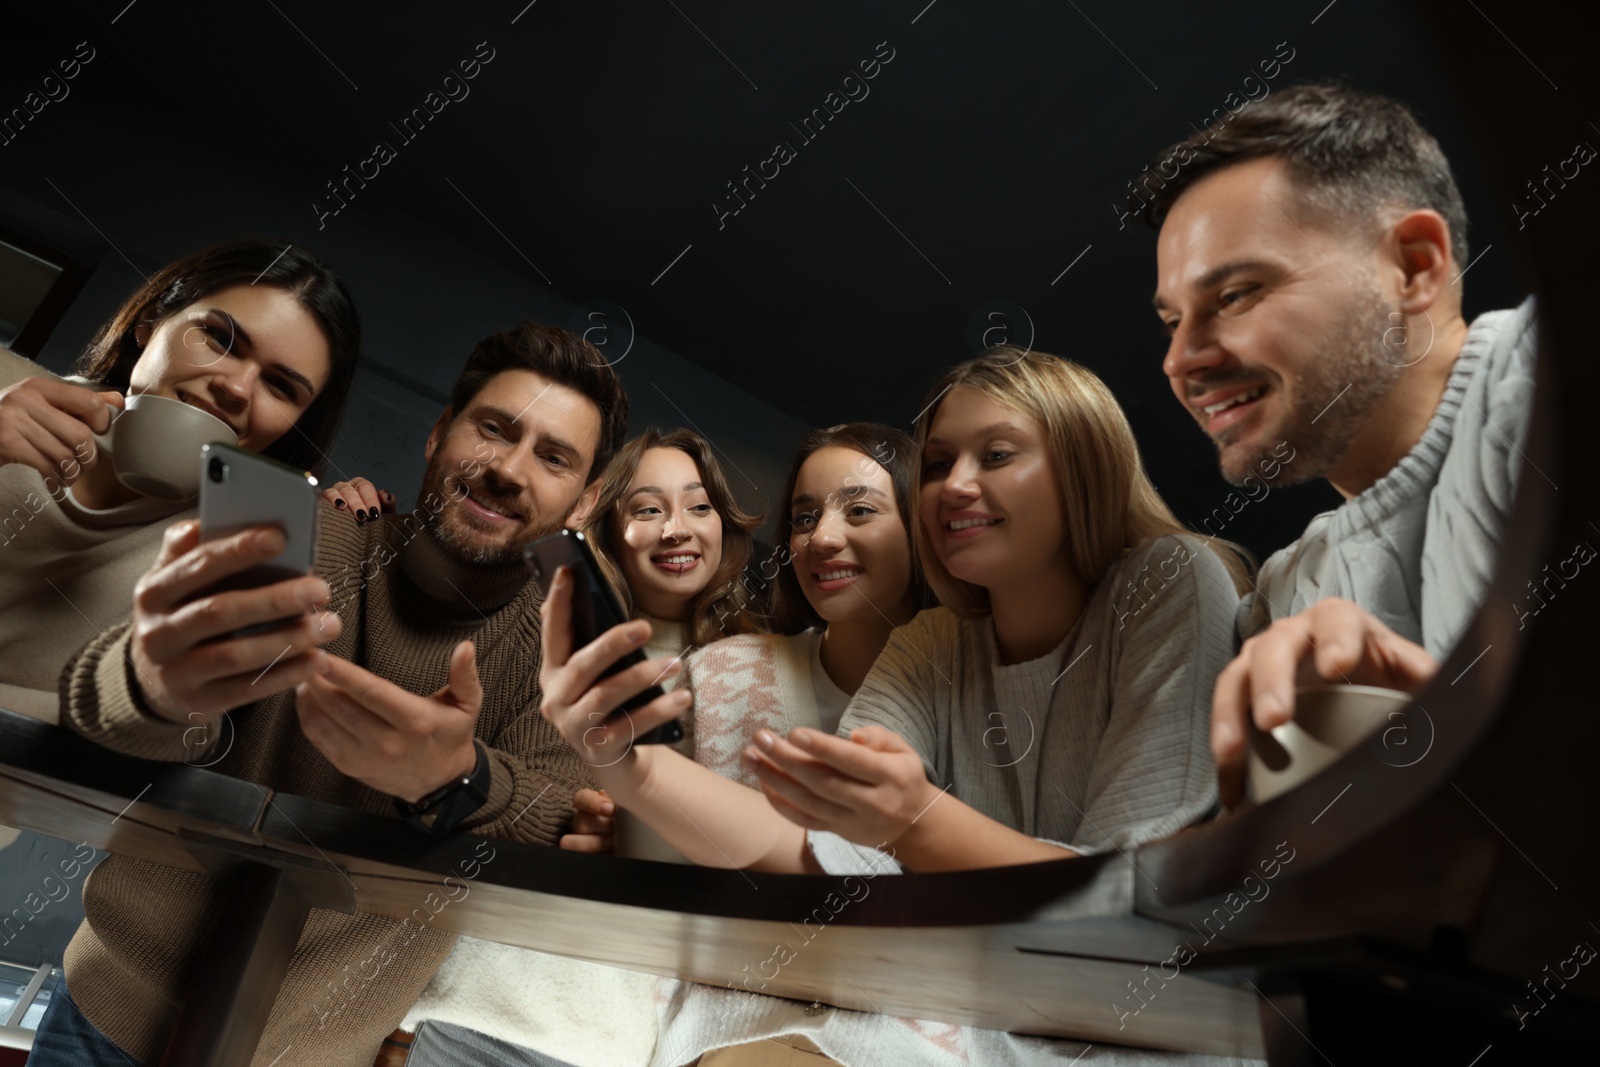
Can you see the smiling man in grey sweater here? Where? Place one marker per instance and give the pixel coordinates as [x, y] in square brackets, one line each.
[1309, 272]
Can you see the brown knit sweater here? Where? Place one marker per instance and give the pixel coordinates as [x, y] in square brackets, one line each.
[404, 606]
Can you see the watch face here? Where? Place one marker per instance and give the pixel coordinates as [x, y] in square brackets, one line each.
[443, 810]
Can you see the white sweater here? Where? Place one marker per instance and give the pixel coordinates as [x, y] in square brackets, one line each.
[587, 1014]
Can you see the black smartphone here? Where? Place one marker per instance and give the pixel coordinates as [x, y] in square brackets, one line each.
[594, 611]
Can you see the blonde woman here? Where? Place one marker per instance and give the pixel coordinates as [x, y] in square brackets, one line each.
[1082, 622]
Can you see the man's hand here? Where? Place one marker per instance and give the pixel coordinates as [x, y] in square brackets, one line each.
[593, 824]
[183, 673]
[48, 425]
[868, 789]
[577, 703]
[1333, 641]
[387, 738]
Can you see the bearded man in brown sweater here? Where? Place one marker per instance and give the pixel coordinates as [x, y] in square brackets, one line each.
[434, 603]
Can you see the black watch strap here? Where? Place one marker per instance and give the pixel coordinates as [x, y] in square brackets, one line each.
[442, 810]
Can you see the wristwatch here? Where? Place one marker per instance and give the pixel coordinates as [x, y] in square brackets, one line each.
[443, 809]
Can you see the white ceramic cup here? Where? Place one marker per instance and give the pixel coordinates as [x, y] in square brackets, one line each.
[1329, 720]
[154, 445]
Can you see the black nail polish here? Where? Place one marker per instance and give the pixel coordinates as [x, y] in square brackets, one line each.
[338, 503]
[361, 517]
[372, 513]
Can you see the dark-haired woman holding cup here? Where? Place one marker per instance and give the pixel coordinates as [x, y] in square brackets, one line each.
[251, 342]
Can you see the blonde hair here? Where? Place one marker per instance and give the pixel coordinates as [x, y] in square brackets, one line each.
[1111, 504]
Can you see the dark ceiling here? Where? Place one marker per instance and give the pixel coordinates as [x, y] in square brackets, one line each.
[982, 164]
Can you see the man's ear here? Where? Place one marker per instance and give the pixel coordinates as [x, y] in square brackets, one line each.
[586, 501]
[436, 435]
[1420, 242]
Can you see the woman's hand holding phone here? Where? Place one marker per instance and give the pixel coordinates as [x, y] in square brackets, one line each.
[183, 673]
[578, 703]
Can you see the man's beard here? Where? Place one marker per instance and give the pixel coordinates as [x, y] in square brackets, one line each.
[466, 543]
[1334, 394]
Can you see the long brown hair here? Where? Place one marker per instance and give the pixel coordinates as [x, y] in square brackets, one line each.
[110, 357]
[723, 608]
[895, 452]
[1112, 506]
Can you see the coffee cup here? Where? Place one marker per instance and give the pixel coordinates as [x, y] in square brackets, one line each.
[1329, 720]
[154, 445]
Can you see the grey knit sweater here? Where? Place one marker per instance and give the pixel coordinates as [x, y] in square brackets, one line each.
[1418, 547]
[1101, 742]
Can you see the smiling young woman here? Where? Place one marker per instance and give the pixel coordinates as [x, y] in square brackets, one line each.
[258, 333]
[848, 578]
[674, 541]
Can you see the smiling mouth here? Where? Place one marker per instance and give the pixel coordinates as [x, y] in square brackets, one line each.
[957, 525]
[490, 512]
[836, 576]
[1224, 413]
[1242, 398]
[676, 562]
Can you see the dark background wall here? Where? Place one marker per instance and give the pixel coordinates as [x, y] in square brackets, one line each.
[591, 158]
[131, 181]
[986, 161]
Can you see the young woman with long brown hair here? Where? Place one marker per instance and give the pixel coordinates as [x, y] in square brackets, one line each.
[258, 333]
[674, 541]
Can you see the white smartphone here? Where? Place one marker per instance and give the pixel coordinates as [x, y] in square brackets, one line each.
[240, 489]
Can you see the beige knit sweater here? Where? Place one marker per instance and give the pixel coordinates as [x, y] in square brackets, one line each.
[404, 605]
[66, 572]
